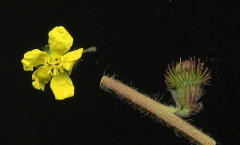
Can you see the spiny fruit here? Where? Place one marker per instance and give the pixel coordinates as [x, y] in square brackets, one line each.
[185, 81]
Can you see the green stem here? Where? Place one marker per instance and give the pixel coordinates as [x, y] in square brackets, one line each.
[160, 111]
[90, 49]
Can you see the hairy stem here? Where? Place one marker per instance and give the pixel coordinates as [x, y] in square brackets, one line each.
[160, 111]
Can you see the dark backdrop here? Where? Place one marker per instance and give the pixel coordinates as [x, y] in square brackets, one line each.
[135, 41]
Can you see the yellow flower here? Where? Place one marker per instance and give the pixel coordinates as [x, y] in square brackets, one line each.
[54, 63]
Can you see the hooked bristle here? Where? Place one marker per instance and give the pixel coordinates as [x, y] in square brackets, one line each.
[187, 72]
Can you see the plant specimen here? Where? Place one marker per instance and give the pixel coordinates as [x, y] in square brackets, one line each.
[185, 81]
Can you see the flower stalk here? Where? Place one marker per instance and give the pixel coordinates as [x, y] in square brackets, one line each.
[90, 49]
[162, 112]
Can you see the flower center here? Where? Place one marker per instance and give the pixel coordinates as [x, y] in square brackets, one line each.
[54, 61]
[55, 64]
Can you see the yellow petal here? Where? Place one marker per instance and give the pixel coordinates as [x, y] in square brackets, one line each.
[41, 77]
[70, 58]
[60, 41]
[33, 58]
[62, 86]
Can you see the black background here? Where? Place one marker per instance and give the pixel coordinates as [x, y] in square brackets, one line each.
[135, 41]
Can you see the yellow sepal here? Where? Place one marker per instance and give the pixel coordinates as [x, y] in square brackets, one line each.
[62, 86]
[60, 41]
[33, 58]
[70, 58]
